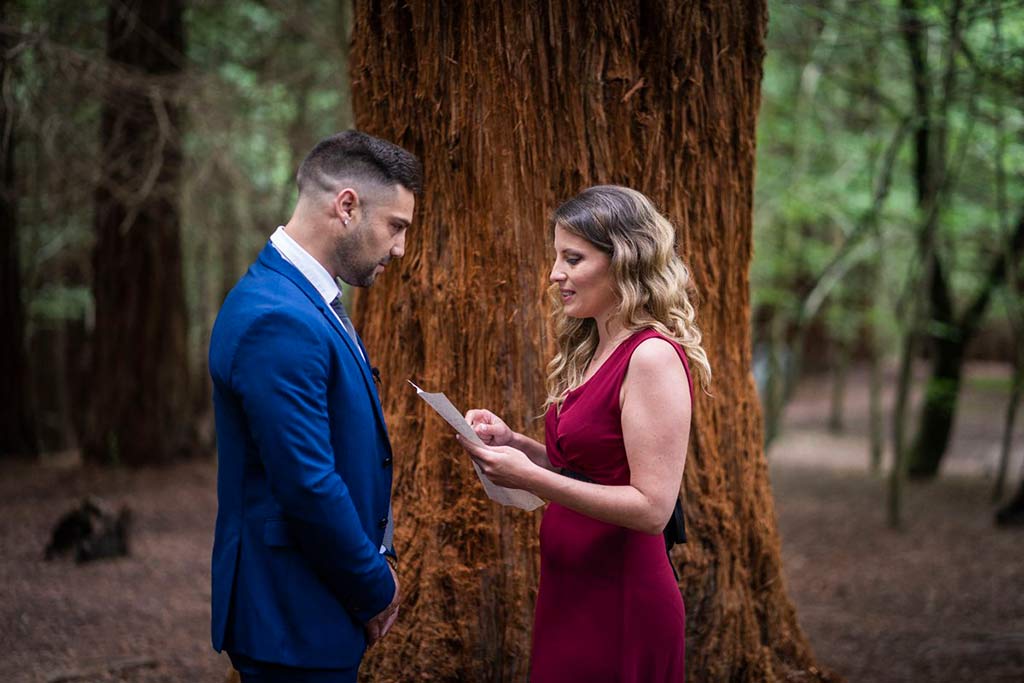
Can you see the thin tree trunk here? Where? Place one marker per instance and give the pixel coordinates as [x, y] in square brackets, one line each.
[840, 368]
[897, 475]
[140, 410]
[1012, 403]
[875, 296]
[17, 425]
[877, 426]
[514, 107]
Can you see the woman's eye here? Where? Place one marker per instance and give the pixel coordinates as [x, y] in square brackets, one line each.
[572, 260]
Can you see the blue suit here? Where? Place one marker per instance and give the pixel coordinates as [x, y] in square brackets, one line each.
[304, 477]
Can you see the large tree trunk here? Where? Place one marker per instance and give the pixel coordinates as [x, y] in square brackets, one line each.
[514, 107]
[17, 430]
[139, 412]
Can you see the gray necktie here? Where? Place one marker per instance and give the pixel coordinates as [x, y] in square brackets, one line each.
[346, 322]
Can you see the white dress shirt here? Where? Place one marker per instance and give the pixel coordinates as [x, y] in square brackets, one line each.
[311, 269]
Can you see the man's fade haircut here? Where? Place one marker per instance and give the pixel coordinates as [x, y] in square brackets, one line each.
[351, 155]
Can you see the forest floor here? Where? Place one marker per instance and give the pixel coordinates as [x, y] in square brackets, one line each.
[939, 602]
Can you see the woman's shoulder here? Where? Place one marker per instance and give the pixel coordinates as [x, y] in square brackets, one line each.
[649, 338]
[653, 349]
[656, 356]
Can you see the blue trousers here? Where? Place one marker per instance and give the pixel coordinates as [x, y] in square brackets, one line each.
[254, 671]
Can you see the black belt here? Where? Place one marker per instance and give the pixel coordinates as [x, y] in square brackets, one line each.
[675, 530]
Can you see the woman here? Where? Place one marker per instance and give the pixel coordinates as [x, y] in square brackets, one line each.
[616, 432]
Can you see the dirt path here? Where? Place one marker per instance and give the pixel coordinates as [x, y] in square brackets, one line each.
[939, 602]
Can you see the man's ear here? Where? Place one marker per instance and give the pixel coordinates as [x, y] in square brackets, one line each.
[345, 204]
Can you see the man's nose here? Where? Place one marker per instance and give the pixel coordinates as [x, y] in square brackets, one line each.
[398, 250]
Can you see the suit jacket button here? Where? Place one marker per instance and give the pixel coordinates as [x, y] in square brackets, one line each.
[383, 523]
[386, 462]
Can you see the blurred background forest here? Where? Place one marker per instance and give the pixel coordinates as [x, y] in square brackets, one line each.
[141, 175]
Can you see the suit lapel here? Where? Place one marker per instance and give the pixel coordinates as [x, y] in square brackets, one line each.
[272, 259]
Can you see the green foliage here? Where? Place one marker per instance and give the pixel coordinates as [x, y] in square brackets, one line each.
[265, 79]
[262, 82]
[836, 90]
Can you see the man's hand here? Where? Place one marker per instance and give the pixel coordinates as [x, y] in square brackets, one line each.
[378, 627]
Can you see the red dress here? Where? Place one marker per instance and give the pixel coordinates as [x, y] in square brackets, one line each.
[608, 606]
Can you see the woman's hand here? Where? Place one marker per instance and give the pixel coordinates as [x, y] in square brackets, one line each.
[491, 429]
[503, 465]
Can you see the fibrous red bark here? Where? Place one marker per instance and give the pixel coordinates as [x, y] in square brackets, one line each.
[514, 107]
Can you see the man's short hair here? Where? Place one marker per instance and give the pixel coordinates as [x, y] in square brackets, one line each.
[352, 155]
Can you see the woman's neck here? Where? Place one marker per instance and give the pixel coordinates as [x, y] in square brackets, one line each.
[611, 329]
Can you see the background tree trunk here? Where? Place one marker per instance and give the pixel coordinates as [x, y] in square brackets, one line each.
[840, 369]
[514, 108]
[17, 431]
[949, 337]
[139, 408]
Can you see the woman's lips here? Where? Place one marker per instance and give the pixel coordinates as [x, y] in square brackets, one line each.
[566, 294]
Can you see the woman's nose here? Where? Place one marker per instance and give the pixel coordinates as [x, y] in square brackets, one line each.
[556, 275]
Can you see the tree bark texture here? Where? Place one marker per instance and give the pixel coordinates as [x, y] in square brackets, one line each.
[17, 430]
[514, 107]
[139, 410]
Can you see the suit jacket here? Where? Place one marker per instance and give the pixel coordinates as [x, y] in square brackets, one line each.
[304, 476]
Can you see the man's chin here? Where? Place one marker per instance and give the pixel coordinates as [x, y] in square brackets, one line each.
[371, 277]
[366, 279]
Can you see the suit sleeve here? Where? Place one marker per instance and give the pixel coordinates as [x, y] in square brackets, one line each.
[280, 371]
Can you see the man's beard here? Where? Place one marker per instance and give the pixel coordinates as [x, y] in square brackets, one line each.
[360, 275]
[354, 270]
[368, 278]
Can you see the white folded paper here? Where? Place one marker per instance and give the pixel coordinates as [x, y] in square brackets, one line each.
[499, 494]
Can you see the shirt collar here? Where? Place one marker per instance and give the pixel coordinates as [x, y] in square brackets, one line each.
[307, 265]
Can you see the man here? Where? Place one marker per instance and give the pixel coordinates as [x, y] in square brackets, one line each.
[301, 583]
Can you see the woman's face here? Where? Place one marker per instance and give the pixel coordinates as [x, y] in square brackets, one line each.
[584, 277]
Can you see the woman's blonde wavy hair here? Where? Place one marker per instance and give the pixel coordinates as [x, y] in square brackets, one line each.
[653, 284]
